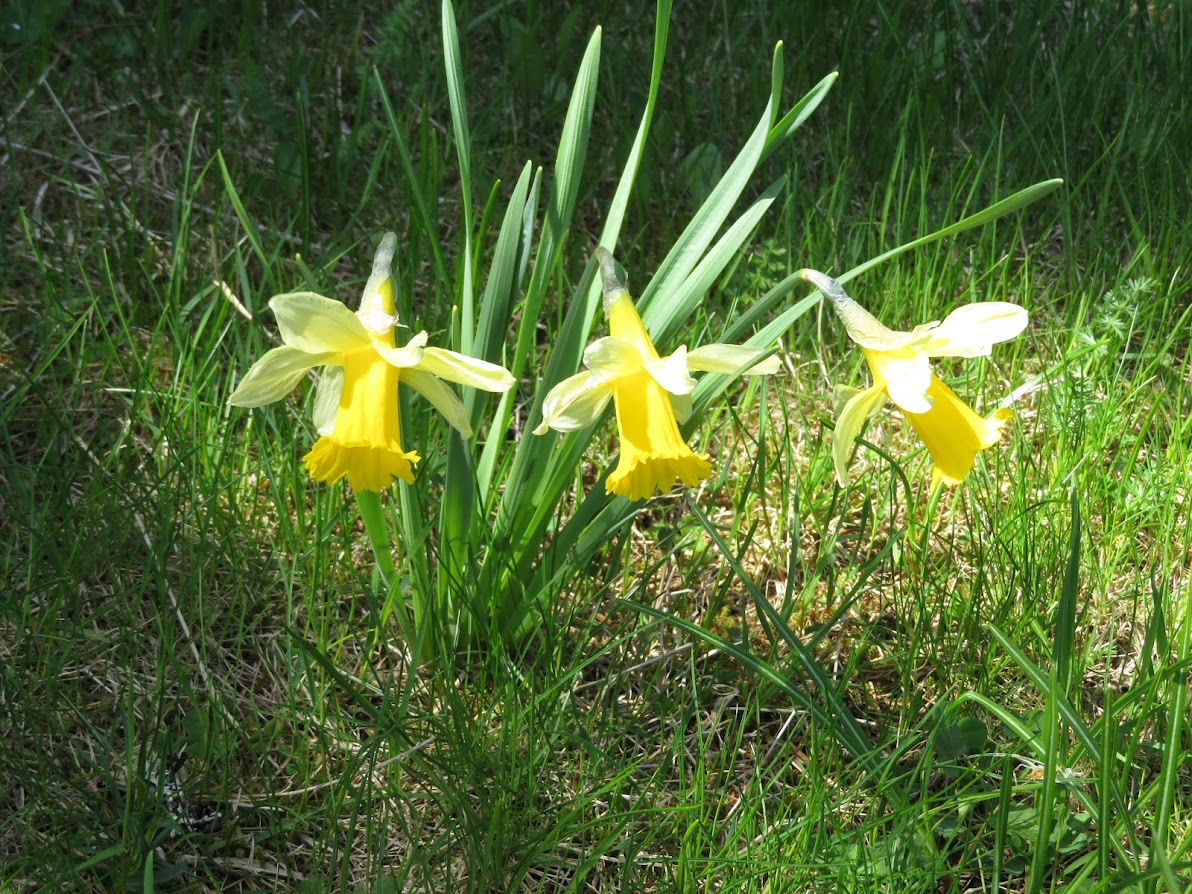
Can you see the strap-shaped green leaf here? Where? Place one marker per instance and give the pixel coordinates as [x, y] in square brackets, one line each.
[569, 165]
[414, 193]
[776, 327]
[798, 113]
[463, 152]
[673, 293]
[496, 306]
[663, 298]
[567, 348]
[690, 293]
[500, 422]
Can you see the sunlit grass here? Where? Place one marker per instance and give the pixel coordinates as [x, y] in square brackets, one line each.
[174, 584]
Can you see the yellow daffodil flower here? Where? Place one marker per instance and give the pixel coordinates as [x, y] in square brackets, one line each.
[899, 362]
[356, 397]
[651, 394]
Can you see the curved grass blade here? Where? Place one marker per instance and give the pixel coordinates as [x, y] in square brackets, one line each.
[1008, 205]
[848, 731]
[862, 750]
[250, 231]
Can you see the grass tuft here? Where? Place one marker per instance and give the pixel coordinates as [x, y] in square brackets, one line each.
[766, 683]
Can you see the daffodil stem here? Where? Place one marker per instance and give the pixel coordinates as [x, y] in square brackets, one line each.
[372, 513]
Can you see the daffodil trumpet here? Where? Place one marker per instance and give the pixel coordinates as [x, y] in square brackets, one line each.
[651, 394]
[356, 411]
[900, 364]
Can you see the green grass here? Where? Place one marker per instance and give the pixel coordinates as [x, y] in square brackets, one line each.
[1016, 654]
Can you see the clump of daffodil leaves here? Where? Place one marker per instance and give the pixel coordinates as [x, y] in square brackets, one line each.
[900, 364]
[651, 394]
[356, 399]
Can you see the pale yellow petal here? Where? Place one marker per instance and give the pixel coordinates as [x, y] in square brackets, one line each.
[316, 324]
[404, 357]
[610, 357]
[464, 370]
[378, 323]
[842, 394]
[907, 380]
[327, 393]
[719, 358]
[972, 330]
[859, 407]
[671, 372]
[441, 398]
[275, 375]
[681, 403]
[575, 403]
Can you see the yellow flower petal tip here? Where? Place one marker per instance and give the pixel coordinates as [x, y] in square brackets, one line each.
[900, 364]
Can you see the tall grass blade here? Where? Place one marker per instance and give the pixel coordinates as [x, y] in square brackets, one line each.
[1054, 751]
[250, 229]
[1038, 749]
[1174, 743]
